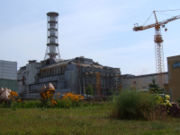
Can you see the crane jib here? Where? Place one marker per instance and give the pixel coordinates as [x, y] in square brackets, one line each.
[158, 44]
[138, 28]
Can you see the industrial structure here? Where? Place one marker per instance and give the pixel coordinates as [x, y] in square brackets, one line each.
[77, 74]
[141, 82]
[159, 55]
[52, 50]
[8, 75]
[170, 83]
[72, 75]
[174, 76]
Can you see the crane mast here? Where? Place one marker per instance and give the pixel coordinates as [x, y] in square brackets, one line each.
[159, 55]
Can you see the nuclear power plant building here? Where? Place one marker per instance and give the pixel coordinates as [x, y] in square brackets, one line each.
[73, 75]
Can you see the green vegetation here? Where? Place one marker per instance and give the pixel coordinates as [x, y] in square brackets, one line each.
[134, 105]
[89, 90]
[22, 104]
[68, 100]
[154, 88]
[73, 115]
[87, 120]
[178, 101]
[61, 103]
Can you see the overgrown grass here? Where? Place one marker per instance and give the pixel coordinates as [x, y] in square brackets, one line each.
[23, 104]
[65, 103]
[61, 103]
[84, 120]
[134, 105]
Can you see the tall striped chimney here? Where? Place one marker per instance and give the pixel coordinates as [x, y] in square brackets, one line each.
[52, 50]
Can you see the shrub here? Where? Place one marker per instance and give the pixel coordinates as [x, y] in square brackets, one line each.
[164, 99]
[178, 101]
[64, 103]
[71, 100]
[174, 110]
[134, 105]
[154, 88]
[47, 94]
[73, 97]
[89, 90]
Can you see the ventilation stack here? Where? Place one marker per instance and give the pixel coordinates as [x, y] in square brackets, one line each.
[52, 50]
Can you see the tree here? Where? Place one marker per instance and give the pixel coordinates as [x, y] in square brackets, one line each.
[154, 88]
[89, 90]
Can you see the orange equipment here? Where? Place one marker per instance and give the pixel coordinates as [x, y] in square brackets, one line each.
[158, 42]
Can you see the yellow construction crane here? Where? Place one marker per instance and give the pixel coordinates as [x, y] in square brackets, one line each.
[158, 42]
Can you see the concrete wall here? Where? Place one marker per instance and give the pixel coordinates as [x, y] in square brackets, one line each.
[27, 75]
[31, 71]
[141, 82]
[8, 70]
[71, 77]
[8, 75]
[174, 76]
[10, 84]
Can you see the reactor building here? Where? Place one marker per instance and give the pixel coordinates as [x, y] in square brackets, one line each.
[72, 75]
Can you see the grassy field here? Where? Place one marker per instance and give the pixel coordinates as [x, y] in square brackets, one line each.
[89, 120]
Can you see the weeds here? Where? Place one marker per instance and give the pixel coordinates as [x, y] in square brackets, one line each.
[134, 105]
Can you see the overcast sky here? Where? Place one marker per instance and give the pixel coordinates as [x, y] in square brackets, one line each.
[97, 29]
